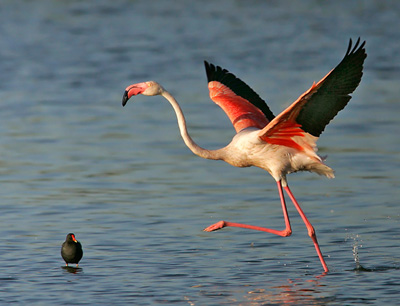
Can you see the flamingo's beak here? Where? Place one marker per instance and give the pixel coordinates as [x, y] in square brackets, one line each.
[134, 90]
[125, 98]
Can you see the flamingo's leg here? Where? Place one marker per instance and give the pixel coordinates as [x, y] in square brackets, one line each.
[286, 232]
[310, 228]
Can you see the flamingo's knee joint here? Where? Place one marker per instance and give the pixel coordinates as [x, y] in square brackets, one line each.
[311, 232]
[287, 232]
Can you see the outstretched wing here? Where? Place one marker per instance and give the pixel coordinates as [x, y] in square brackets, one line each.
[314, 109]
[242, 104]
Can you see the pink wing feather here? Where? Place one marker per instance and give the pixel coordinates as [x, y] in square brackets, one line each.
[242, 104]
[300, 125]
[241, 112]
[315, 108]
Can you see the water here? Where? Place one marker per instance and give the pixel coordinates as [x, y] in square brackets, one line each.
[73, 160]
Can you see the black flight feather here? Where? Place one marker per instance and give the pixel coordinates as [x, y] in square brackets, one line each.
[216, 73]
[334, 93]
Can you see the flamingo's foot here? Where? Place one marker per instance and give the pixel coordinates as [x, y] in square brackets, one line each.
[215, 226]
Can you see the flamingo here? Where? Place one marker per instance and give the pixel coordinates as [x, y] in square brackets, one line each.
[278, 144]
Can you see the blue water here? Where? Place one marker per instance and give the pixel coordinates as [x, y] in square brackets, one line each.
[73, 160]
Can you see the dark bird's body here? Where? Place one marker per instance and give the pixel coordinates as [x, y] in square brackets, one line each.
[71, 250]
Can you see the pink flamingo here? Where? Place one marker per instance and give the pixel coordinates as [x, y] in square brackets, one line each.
[280, 145]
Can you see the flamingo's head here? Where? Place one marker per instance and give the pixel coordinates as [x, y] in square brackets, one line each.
[149, 88]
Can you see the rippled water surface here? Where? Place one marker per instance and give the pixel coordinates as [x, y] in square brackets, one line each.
[73, 160]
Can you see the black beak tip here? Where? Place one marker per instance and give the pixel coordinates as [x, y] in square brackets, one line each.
[125, 98]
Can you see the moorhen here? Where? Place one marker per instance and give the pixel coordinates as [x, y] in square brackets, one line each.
[71, 250]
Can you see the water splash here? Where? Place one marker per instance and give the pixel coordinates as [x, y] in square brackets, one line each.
[355, 253]
[356, 245]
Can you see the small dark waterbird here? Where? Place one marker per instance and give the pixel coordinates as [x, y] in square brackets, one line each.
[280, 144]
[71, 250]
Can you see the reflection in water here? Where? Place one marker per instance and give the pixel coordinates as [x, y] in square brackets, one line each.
[73, 270]
[295, 292]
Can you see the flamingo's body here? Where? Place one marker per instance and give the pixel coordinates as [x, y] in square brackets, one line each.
[280, 145]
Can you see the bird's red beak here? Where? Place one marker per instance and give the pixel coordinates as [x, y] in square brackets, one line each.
[133, 90]
[73, 238]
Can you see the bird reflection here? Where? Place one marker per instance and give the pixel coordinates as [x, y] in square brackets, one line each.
[294, 292]
[73, 270]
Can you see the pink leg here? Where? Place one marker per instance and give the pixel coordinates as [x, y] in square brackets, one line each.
[311, 231]
[286, 232]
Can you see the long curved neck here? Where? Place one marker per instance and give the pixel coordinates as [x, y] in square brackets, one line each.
[195, 148]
